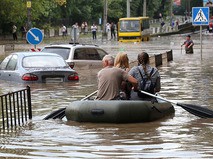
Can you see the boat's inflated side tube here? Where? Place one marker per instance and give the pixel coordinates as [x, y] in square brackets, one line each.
[117, 111]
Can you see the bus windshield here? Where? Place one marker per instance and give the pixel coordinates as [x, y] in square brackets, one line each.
[129, 26]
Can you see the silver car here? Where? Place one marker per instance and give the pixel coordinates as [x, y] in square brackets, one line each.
[79, 56]
[31, 67]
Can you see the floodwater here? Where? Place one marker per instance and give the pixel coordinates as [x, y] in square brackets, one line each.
[187, 79]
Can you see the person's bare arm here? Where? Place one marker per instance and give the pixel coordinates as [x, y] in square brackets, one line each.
[191, 45]
[133, 81]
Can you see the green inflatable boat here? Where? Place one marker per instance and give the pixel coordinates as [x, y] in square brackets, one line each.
[117, 111]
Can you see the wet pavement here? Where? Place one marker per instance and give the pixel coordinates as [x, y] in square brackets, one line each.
[187, 79]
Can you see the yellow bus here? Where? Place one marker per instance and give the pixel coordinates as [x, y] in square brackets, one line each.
[133, 29]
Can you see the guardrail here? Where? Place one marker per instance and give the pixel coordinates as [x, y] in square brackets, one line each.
[15, 108]
[157, 59]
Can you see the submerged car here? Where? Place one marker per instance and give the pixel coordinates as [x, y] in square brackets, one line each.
[36, 67]
[78, 56]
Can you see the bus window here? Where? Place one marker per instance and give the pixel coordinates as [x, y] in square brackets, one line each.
[145, 24]
[130, 26]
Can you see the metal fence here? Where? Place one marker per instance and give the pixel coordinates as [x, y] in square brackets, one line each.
[15, 109]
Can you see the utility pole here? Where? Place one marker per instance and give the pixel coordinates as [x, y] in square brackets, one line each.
[128, 8]
[144, 8]
[189, 8]
[171, 12]
[105, 16]
[171, 8]
[29, 23]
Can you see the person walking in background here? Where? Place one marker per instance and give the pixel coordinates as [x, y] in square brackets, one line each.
[14, 31]
[82, 28]
[188, 45]
[112, 28]
[94, 30]
[23, 32]
[107, 27]
[148, 78]
[108, 31]
[86, 27]
[64, 30]
[75, 25]
[173, 24]
[110, 79]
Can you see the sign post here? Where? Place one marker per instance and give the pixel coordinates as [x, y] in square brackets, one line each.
[200, 16]
[29, 5]
[34, 36]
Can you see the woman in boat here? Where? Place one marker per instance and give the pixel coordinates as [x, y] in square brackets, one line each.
[122, 61]
[148, 78]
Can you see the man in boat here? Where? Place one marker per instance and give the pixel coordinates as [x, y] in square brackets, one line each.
[188, 45]
[110, 79]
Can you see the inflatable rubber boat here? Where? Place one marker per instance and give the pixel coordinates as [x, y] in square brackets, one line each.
[118, 111]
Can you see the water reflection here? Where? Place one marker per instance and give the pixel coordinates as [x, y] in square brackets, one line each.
[187, 80]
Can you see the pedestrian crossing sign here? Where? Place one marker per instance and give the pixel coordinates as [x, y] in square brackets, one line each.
[200, 16]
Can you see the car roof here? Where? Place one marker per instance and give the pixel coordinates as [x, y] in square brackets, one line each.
[28, 53]
[73, 45]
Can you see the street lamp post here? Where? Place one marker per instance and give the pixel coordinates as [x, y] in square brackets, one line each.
[171, 8]
[144, 8]
[29, 5]
[189, 8]
[171, 12]
[105, 17]
[128, 8]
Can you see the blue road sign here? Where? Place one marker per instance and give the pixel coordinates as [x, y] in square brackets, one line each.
[34, 36]
[200, 16]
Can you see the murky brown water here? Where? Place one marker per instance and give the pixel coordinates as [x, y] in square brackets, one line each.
[187, 79]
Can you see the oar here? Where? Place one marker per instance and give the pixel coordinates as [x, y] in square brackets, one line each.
[193, 109]
[60, 113]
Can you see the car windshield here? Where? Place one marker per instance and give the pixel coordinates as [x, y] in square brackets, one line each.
[43, 61]
[129, 25]
[64, 52]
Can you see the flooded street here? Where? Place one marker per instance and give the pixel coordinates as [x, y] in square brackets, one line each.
[187, 79]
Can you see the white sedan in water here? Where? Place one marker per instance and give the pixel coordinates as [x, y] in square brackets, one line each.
[31, 67]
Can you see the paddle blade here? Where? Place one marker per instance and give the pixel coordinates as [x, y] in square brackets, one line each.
[58, 114]
[197, 110]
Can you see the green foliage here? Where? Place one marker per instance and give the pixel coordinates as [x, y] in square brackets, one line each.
[153, 6]
[56, 12]
[9, 10]
[186, 6]
[116, 10]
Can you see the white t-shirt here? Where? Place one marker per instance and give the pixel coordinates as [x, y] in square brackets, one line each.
[93, 28]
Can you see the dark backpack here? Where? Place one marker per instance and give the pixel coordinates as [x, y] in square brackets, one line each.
[146, 85]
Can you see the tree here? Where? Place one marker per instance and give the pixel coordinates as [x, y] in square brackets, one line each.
[186, 6]
[46, 13]
[8, 14]
[15, 11]
[116, 10]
